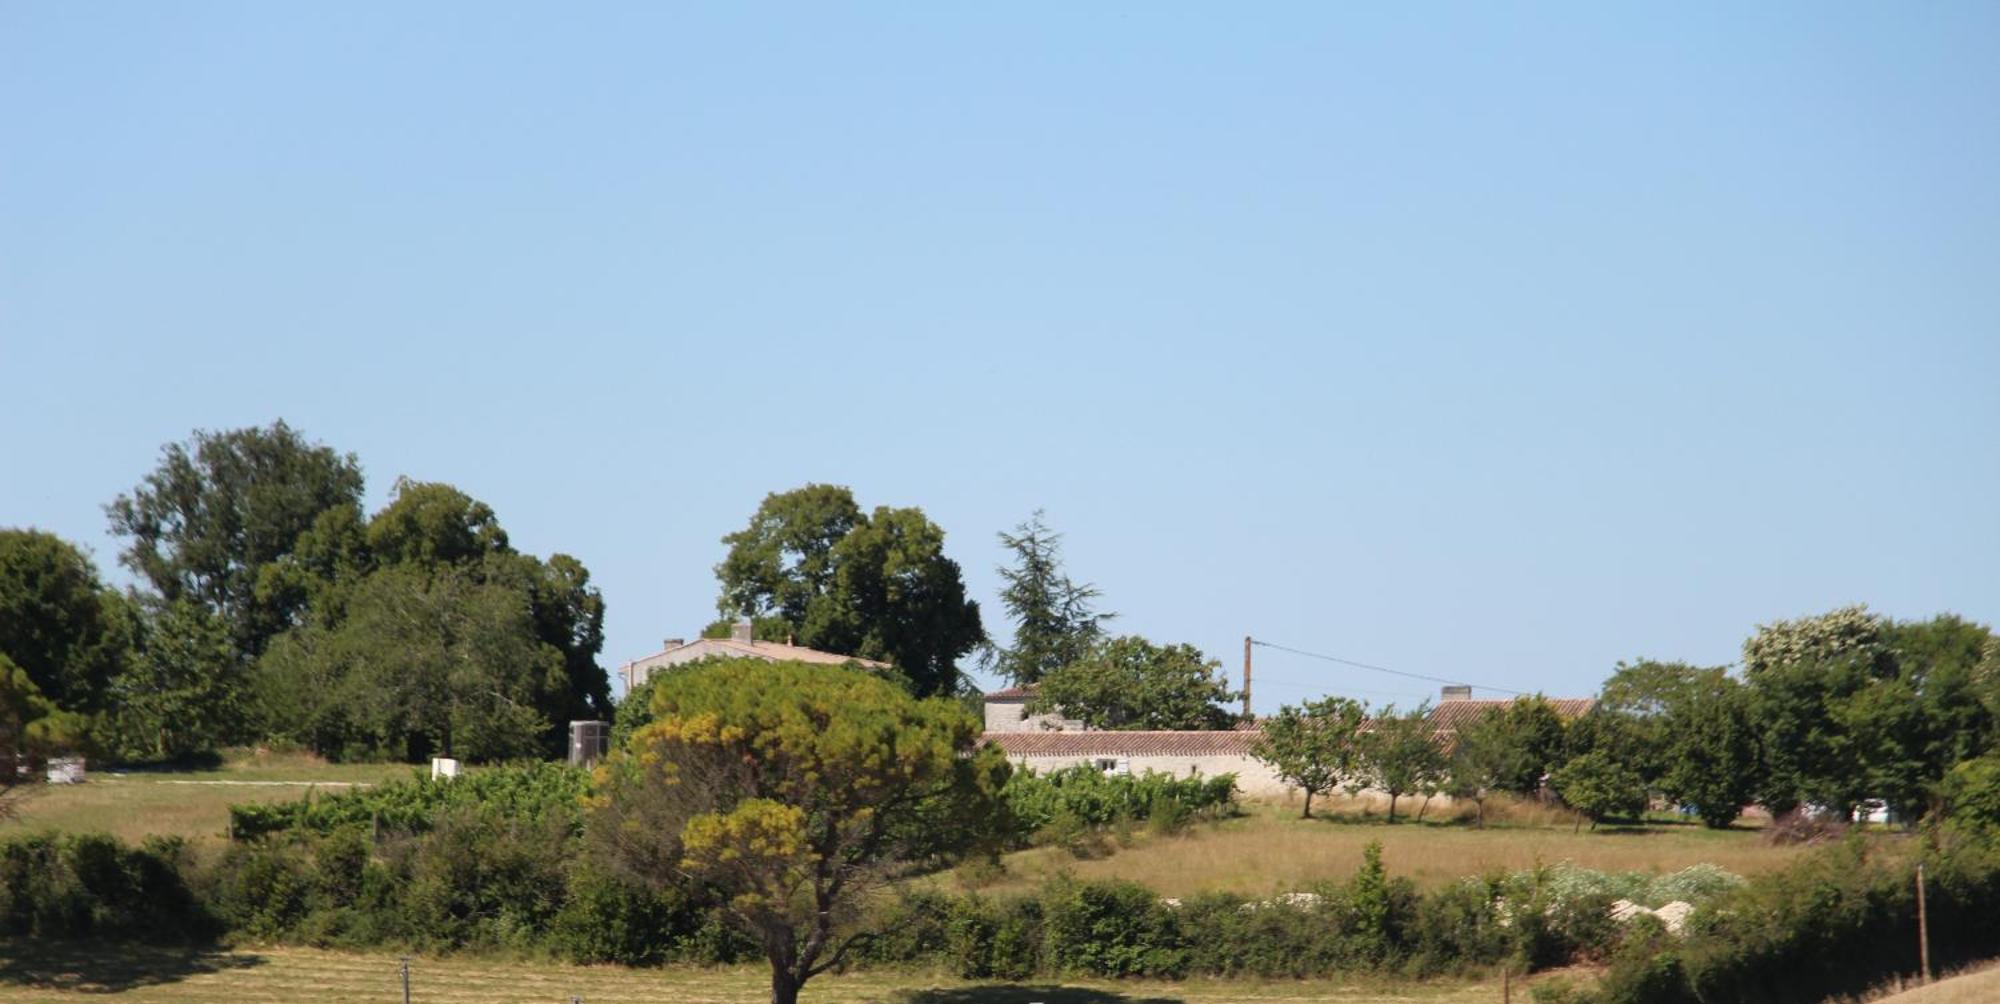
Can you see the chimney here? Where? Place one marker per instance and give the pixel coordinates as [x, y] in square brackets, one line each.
[742, 631]
[1456, 692]
[674, 643]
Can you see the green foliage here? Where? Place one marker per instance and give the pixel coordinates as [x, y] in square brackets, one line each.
[875, 586]
[786, 790]
[1529, 735]
[1314, 746]
[88, 886]
[1599, 786]
[1400, 755]
[185, 692]
[426, 662]
[32, 728]
[1480, 761]
[1055, 623]
[1711, 750]
[1971, 792]
[220, 509]
[534, 793]
[1850, 706]
[1110, 929]
[1131, 683]
[1096, 799]
[1839, 918]
[70, 634]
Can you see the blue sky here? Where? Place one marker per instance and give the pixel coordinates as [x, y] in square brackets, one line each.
[1494, 344]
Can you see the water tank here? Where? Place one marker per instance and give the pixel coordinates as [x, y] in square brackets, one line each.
[588, 742]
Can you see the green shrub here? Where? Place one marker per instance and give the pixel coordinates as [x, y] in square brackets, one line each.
[92, 886]
[1110, 929]
[532, 792]
[1075, 798]
[606, 919]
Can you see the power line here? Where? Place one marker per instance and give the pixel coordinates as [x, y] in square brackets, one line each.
[1381, 669]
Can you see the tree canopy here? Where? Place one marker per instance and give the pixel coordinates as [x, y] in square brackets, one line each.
[1315, 745]
[1398, 754]
[1131, 683]
[436, 636]
[787, 791]
[58, 622]
[1054, 618]
[873, 586]
[222, 507]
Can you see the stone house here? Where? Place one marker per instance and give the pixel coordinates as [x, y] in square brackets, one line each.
[1049, 742]
[739, 644]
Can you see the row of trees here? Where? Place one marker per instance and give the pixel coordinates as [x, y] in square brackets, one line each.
[1830, 711]
[269, 607]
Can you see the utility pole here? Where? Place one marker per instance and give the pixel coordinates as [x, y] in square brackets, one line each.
[1923, 929]
[1246, 677]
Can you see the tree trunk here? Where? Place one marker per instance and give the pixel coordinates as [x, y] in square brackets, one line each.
[1479, 814]
[1392, 807]
[1309, 805]
[784, 986]
[1422, 807]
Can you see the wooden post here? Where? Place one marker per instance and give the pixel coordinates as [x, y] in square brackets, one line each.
[406, 979]
[1507, 984]
[1246, 677]
[1923, 929]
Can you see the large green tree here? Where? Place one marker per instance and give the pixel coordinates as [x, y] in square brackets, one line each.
[436, 548]
[1531, 732]
[222, 507]
[787, 792]
[427, 661]
[1711, 748]
[874, 586]
[1313, 746]
[58, 623]
[1054, 617]
[1851, 706]
[1131, 683]
[185, 692]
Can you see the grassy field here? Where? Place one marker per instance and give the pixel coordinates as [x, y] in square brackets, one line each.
[1979, 986]
[42, 972]
[1270, 849]
[188, 803]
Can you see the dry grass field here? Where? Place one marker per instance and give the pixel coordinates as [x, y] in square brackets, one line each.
[194, 804]
[1979, 986]
[1270, 849]
[55, 973]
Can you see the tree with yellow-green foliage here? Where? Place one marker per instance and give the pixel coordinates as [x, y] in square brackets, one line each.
[785, 791]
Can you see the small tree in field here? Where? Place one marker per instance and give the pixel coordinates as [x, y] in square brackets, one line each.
[1481, 760]
[1400, 755]
[1313, 746]
[786, 791]
[1599, 786]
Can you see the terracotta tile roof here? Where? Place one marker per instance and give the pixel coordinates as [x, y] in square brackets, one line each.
[1070, 744]
[1450, 716]
[769, 650]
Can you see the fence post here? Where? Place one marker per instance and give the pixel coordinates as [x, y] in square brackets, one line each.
[1507, 984]
[406, 979]
[1923, 929]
